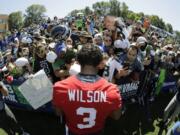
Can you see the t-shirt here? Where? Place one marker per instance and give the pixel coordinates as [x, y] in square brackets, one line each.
[58, 64]
[117, 63]
[127, 84]
[42, 63]
[86, 105]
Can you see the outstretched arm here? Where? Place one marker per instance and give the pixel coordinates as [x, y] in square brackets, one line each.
[3, 89]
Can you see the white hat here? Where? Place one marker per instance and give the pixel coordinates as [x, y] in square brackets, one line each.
[20, 62]
[4, 68]
[16, 39]
[74, 69]
[51, 56]
[43, 41]
[123, 44]
[171, 53]
[98, 36]
[141, 40]
[26, 40]
[52, 45]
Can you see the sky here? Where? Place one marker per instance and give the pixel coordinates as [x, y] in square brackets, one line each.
[166, 9]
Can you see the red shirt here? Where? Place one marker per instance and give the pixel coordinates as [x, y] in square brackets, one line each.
[86, 105]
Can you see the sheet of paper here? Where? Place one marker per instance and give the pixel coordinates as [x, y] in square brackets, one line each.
[37, 90]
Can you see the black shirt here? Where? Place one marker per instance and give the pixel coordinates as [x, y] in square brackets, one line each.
[178, 94]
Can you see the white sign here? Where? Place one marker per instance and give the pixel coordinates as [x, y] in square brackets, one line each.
[37, 90]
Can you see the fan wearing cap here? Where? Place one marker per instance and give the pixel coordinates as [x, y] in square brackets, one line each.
[24, 49]
[59, 67]
[99, 42]
[168, 62]
[121, 44]
[8, 56]
[38, 38]
[141, 43]
[84, 38]
[15, 46]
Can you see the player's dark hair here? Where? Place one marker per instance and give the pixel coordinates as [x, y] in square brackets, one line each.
[89, 55]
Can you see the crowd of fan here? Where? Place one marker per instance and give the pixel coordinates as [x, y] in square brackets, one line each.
[132, 53]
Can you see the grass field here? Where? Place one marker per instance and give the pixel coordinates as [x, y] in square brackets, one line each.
[133, 122]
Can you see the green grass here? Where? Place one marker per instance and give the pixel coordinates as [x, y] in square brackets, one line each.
[2, 132]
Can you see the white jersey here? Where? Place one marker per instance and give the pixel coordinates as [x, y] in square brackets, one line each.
[111, 65]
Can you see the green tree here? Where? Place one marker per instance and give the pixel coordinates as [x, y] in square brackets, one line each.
[131, 15]
[15, 20]
[158, 22]
[101, 8]
[177, 36]
[115, 8]
[169, 28]
[87, 11]
[124, 10]
[34, 14]
[74, 12]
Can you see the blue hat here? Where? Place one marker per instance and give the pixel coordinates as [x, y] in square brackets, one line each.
[61, 47]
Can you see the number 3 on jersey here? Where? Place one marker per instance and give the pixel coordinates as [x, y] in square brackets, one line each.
[89, 120]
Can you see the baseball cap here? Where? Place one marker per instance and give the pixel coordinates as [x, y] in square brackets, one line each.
[141, 40]
[85, 34]
[51, 57]
[60, 48]
[52, 45]
[178, 52]
[121, 44]
[98, 36]
[26, 40]
[20, 62]
[74, 69]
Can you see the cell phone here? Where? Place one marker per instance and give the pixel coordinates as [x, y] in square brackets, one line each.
[126, 65]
